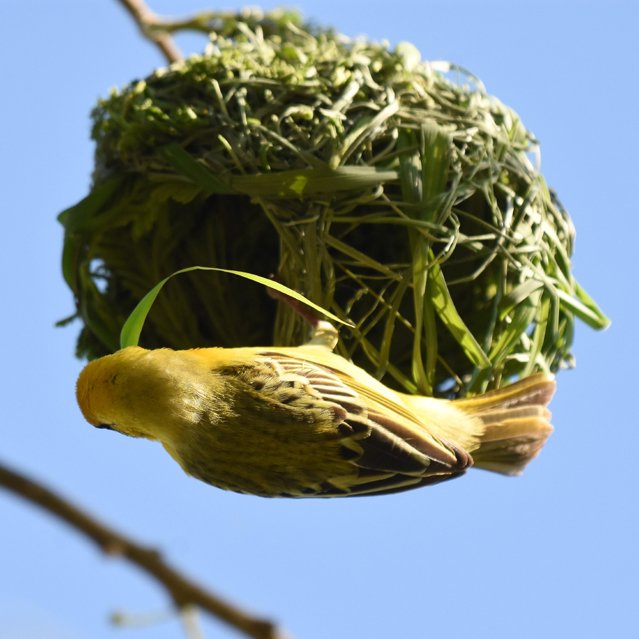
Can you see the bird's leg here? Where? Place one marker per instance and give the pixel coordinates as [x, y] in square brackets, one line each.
[323, 333]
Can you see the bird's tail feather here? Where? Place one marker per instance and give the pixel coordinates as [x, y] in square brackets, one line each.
[516, 423]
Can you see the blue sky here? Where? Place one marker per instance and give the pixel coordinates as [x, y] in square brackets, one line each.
[553, 553]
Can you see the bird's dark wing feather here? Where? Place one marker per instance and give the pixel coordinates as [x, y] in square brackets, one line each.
[391, 452]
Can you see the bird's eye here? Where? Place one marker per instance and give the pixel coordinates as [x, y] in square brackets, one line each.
[105, 426]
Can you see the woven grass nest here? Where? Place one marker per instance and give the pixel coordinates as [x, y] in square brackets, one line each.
[392, 191]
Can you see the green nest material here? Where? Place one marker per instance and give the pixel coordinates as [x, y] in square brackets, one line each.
[367, 179]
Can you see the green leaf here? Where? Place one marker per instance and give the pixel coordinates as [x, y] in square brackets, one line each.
[518, 295]
[541, 324]
[445, 307]
[314, 181]
[130, 334]
[589, 314]
[82, 216]
[523, 316]
[183, 162]
[424, 164]
[596, 317]
[283, 184]
[71, 248]
[436, 158]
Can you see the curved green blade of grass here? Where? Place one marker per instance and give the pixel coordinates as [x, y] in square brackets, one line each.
[291, 184]
[445, 308]
[132, 328]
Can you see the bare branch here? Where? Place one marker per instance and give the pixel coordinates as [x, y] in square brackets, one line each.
[183, 591]
[151, 27]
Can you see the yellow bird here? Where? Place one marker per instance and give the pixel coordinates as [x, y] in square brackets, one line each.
[305, 422]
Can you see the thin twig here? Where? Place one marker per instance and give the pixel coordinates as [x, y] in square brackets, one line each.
[151, 27]
[182, 590]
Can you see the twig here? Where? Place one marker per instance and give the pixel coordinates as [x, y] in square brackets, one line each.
[182, 590]
[151, 27]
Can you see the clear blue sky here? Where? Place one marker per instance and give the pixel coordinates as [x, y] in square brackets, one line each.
[551, 554]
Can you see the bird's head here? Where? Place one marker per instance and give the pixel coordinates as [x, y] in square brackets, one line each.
[127, 391]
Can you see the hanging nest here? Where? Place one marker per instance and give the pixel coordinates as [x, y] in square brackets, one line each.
[392, 191]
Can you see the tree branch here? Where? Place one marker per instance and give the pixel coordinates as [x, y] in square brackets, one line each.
[152, 28]
[181, 589]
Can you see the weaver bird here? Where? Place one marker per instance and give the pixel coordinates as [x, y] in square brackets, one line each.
[305, 422]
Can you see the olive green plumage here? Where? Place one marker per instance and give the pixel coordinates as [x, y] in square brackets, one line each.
[305, 422]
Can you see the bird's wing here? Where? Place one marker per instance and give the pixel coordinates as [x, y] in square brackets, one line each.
[381, 437]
